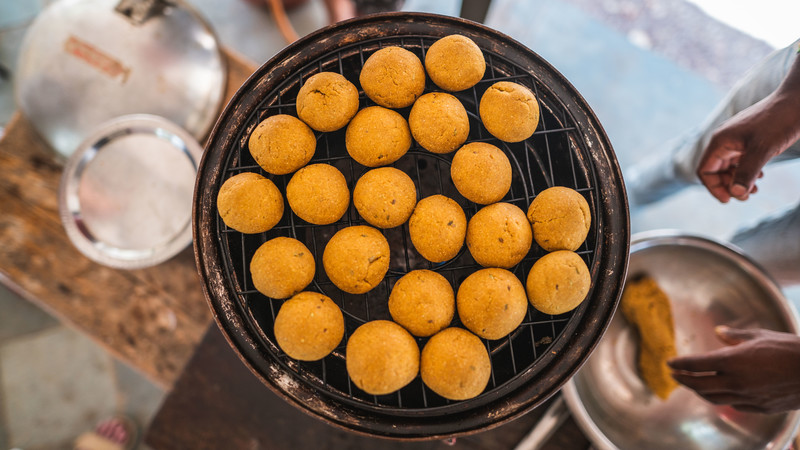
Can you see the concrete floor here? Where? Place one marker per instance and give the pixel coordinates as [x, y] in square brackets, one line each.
[56, 383]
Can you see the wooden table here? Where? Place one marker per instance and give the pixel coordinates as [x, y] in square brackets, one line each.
[151, 318]
[156, 319]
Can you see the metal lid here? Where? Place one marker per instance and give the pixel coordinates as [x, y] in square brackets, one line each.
[83, 63]
[126, 193]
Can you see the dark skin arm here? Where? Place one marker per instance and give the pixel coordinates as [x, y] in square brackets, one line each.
[759, 371]
[741, 147]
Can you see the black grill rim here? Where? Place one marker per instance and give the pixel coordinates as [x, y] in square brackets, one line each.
[574, 344]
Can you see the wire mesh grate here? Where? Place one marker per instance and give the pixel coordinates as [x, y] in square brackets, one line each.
[554, 155]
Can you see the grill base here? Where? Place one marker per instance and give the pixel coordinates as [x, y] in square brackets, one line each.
[569, 148]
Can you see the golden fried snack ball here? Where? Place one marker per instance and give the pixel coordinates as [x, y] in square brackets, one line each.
[437, 228]
[560, 218]
[327, 101]
[282, 144]
[356, 258]
[309, 326]
[558, 282]
[455, 364]
[282, 267]
[499, 235]
[439, 122]
[377, 136]
[393, 77]
[492, 303]
[385, 197]
[382, 357]
[422, 301]
[481, 172]
[250, 203]
[318, 194]
[509, 111]
[455, 63]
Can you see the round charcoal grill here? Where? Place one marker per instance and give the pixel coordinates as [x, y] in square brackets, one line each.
[569, 149]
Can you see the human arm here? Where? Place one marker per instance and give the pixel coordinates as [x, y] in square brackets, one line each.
[742, 146]
[759, 371]
[339, 10]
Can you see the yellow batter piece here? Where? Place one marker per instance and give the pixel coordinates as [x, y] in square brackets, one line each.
[647, 308]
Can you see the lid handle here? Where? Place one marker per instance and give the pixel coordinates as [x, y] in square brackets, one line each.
[140, 11]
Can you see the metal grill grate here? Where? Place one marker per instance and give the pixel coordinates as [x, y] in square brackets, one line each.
[554, 155]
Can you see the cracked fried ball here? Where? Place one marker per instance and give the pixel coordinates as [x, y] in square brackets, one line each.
[327, 101]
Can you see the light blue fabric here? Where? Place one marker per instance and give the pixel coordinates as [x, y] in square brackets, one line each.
[444, 7]
[641, 98]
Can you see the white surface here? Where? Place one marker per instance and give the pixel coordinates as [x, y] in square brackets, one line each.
[774, 21]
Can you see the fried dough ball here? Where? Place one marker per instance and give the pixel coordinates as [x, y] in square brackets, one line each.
[309, 326]
[282, 267]
[492, 303]
[250, 203]
[282, 144]
[318, 194]
[509, 111]
[499, 235]
[481, 172]
[377, 136]
[437, 228]
[382, 357]
[422, 301]
[558, 282]
[393, 77]
[356, 258]
[455, 63]
[385, 197]
[439, 122]
[455, 364]
[327, 101]
[560, 218]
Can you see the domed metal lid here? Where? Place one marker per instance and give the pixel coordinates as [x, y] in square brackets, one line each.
[83, 63]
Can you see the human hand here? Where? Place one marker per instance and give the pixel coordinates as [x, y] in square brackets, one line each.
[741, 147]
[758, 372]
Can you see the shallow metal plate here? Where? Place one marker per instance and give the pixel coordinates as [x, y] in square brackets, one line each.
[708, 284]
[126, 194]
[82, 64]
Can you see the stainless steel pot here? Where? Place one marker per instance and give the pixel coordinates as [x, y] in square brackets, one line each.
[709, 283]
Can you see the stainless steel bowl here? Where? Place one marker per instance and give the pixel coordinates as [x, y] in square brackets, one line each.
[709, 283]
